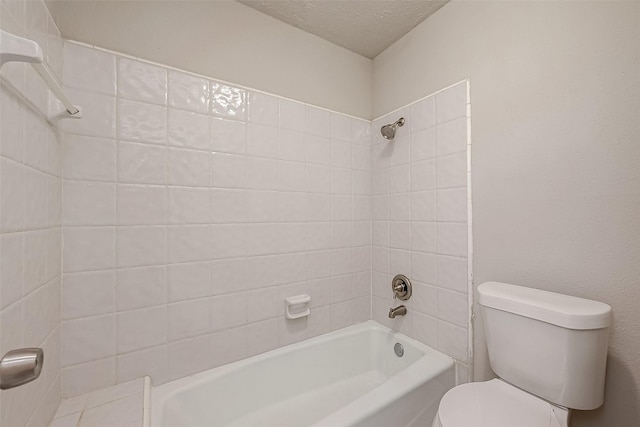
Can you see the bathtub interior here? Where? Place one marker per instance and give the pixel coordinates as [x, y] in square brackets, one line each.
[287, 388]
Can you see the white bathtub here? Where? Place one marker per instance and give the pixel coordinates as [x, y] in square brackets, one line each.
[351, 377]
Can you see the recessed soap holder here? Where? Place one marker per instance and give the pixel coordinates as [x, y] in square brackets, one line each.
[297, 306]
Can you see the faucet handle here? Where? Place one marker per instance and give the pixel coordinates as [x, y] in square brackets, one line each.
[398, 289]
[401, 287]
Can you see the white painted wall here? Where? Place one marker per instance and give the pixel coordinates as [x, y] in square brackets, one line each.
[555, 90]
[205, 37]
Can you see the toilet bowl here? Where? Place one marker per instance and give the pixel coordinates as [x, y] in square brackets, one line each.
[495, 403]
[549, 352]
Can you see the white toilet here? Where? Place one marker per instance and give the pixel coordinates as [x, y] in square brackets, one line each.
[549, 351]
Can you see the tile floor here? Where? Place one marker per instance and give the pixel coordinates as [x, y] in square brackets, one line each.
[119, 406]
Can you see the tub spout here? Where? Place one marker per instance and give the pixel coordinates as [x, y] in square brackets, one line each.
[400, 310]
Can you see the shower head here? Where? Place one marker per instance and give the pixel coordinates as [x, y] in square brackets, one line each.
[389, 131]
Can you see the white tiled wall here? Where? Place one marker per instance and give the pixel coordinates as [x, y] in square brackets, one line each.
[191, 209]
[420, 221]
[30, 218]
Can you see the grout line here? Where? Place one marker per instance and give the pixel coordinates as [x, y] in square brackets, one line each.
[470, 290]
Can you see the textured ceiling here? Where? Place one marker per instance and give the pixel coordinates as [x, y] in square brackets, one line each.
[363, 26]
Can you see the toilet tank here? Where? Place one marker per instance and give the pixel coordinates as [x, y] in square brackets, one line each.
[549, 344]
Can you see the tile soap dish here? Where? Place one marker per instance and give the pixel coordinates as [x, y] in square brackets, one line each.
[297, 306]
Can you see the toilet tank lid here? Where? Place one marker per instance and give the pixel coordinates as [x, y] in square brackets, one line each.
[558, 309]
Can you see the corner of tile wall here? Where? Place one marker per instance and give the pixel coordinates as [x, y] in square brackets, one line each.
[421, 221]
[30, 217]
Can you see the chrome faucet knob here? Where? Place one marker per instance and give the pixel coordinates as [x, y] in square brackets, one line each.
[401, 287]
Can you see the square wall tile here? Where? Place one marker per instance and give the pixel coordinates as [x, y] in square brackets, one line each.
[89, 158]
[453, 340]
[141, 122]
[140, 81]
[261, 271]
[318, 150]
[452, 239]
[424, 267]
[35, 206]
[229, 276]
[141, 287]
[228, 101]
[452, 273]
[340, 127]
[187, 205]
[11, 267]
[292, 115]
[88, 294]
[452, 204]
[262, 304]
[88, 248]
[423, 144]
[188, 92]
[141, 246]
[400, 179]
[12, 188]
[188, 129]
[149, 361]
[453, 307]
[88, 203]
[318, 121]
[88, 377]
[228, 170]
[263, 108]
[452, 170]
[228, 346]
[423, 236]
[360, 131]
[142, 204]
[423, 175]
[228, 311]
[262, 336]
[262, 140]
[189, 281]
[189, 243]
[142, 328]
[98, 115]
[230, 206]
[188, 167]
[189, 356]
[87, 339]
[262, 174]
[35, 253]
[89, 69]
[187, 319]
[423, 114]
[229, 240]
[141, 163]
[451, 103]
[291, 145]
[228, 136]
[452, 137]
[291, 176]
[11, 125]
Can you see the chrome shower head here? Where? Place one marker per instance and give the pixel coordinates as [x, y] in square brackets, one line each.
[389, 131]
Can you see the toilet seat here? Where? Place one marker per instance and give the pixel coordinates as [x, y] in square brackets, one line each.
[495, 403]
